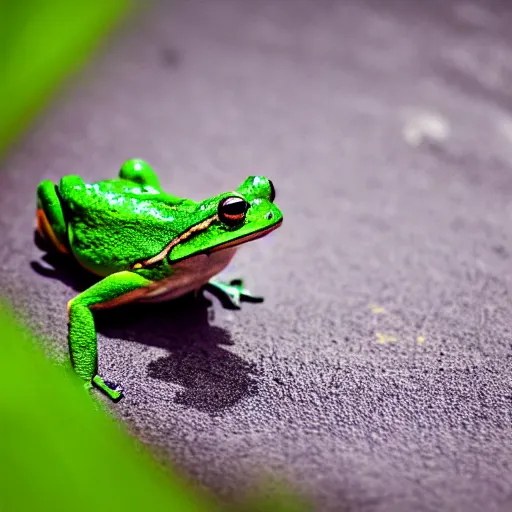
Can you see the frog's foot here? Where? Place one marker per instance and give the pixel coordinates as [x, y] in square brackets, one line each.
[231, 294]
[113, 391]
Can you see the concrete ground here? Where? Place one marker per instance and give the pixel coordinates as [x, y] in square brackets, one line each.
[377, 374]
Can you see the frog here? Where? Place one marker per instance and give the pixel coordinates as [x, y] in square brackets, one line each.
[146, 245]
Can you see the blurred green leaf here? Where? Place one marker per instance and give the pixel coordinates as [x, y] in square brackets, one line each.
[59, 450]
[42, 42]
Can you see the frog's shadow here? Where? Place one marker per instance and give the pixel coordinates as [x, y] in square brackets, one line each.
[212, 378]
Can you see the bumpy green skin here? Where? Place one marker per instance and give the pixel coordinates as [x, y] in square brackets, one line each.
[111, 226]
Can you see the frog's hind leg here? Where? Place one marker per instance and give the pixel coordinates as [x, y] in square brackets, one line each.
[139, 172]
[50, 221]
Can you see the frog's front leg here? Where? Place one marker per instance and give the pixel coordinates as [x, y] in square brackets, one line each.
[231, 294]
[111, 291]
[139, 172]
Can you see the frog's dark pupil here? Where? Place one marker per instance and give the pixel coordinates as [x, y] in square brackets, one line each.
[232, 210]
[234, 206]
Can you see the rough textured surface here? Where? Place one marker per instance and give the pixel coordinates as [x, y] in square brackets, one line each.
[387, 128]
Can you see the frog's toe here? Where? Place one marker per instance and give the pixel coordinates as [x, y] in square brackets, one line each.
[234, 297]
[116, 388]
[114, 391]
[245, 295]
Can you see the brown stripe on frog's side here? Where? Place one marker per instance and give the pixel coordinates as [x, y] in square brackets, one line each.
[198, 228]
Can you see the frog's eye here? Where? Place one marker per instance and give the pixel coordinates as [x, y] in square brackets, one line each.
[232, 210]
[272, 191]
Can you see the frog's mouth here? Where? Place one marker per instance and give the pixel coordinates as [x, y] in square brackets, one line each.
[244, 238]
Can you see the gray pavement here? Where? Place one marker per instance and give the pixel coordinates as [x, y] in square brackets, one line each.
[377, 374]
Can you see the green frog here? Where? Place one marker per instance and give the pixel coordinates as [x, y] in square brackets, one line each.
[146, 245]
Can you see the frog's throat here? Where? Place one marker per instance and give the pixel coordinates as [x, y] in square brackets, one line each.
[197, 229]
[173, 243]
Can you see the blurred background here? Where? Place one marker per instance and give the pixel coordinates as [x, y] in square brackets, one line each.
[376, 375]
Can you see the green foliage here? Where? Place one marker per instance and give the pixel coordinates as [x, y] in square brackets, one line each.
[42, 42]
[61, 451]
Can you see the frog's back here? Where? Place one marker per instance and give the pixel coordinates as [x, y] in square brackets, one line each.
[74, 190]
[114, 223]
